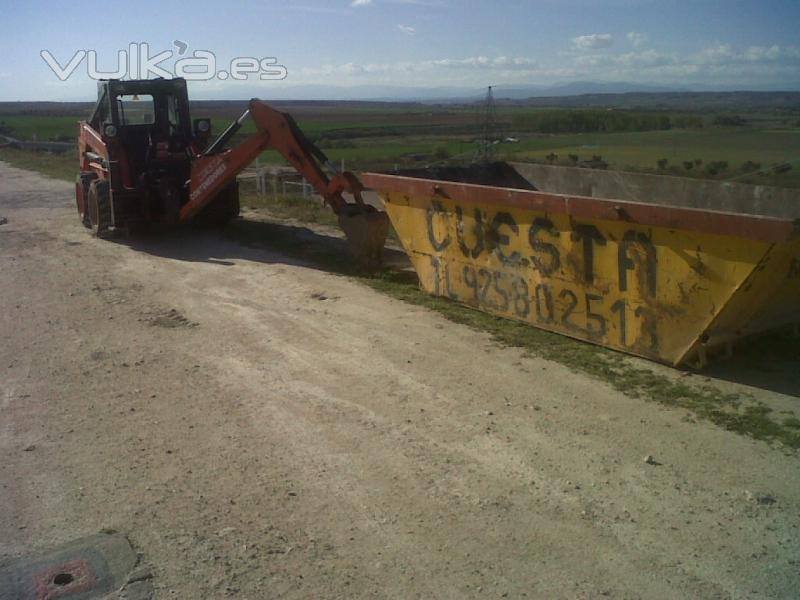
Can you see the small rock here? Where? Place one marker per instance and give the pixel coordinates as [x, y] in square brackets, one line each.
[763, 499]
[30, 448]
[651, 461]
[3, 220]
[140, 574]
[138, 590]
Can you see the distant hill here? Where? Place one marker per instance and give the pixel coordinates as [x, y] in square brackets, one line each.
[576, 88]
[651, 100]
[690, 101]
[45, 108]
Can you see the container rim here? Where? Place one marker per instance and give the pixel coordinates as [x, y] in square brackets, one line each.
[754, 227]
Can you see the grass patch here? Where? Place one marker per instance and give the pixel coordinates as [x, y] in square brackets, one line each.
[59, 166]
[792, 422]
[305, 210]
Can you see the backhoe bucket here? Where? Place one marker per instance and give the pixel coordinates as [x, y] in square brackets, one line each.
[366, 230]
[663, 271]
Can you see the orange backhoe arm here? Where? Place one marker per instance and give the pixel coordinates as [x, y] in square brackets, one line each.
[218, 167]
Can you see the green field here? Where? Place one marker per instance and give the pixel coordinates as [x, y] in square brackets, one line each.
[380, 137]
[45, 127]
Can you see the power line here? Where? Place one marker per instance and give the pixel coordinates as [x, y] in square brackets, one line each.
[488, 129]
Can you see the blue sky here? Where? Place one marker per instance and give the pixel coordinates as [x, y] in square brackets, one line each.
[415, 43]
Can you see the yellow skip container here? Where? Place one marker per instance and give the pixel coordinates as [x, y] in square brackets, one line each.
[656, 277]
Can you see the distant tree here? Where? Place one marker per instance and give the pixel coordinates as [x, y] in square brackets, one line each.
[698, 162]
[749, 165]
[688, 164]
[441, 153]
[597, 162]
[551, 158]
[662, 163]
[573, 158]
[730, 121]
[716, 166]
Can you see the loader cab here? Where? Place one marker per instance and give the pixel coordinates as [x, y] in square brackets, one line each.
[146, 126]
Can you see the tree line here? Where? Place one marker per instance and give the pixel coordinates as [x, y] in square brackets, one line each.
[591, 121]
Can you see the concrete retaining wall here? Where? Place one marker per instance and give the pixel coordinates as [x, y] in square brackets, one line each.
[659, 189]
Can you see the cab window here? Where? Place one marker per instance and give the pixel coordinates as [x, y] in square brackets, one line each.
[136, 109]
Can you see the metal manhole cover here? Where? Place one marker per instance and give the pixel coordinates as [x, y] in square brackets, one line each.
[82, 570]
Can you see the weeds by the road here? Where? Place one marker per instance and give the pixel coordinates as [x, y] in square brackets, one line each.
[305, 210]
[59, 166]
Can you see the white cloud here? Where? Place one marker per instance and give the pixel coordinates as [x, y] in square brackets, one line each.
[725, 54]
[481, 62]
[407, 30]
[719, 54]
[593, 41]
[452, 70]
[718, 64]
[357, 3]
[788, 54]
[636, 38]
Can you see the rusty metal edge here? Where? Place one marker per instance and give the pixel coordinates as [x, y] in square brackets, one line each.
[769, 229]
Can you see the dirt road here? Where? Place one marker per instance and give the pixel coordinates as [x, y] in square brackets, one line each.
[262, 429]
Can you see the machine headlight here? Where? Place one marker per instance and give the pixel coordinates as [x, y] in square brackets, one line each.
[110, 130]
[203, 126]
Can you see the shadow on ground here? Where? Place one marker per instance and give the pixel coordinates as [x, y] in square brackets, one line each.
[769, 362]
[259, 241]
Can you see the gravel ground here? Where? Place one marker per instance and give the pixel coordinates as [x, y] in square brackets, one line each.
[259, 428]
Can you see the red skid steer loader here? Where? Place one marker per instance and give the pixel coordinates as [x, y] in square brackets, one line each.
[143, 160]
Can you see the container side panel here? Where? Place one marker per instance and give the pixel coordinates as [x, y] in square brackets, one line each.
[649, 291]
[768, 300]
